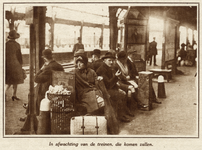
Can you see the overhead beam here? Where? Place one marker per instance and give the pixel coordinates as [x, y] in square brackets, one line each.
[21, 16]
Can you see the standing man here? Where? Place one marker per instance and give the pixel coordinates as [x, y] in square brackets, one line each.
[78, 45]
[153, 51]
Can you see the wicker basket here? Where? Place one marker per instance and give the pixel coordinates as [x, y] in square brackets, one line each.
[61, 112]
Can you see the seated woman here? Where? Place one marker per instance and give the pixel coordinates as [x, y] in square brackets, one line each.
[128, 81]
[86, 88]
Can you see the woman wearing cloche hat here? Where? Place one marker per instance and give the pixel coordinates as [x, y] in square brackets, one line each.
[14, 72]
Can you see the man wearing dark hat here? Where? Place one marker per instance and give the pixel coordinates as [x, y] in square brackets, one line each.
[96, 61]
[43, 78]
[78, 45]
[110, 78]
[153, 51]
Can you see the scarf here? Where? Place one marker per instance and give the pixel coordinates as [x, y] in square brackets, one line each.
[123, 69]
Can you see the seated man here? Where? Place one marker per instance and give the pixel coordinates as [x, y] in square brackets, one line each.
[110, 79]
[96, 61]
[43, 78]
[86, 87]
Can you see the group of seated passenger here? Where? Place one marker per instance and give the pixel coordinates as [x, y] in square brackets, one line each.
[119, 77]
[104, 84]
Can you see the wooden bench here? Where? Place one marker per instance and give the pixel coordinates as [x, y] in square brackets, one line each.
[164, 72]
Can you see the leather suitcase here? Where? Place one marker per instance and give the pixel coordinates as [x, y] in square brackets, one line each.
[88, 125]
[145, 88]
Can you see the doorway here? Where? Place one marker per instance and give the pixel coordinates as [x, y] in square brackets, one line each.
[156, 27]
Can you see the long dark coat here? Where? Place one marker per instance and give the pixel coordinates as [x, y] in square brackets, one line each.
[14, 73]
[110, 81]
[96, 64]
[152, 48]
[44, 79]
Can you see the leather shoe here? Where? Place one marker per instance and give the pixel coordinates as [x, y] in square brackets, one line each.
[155, 101]
[124, 119]
[142, 106]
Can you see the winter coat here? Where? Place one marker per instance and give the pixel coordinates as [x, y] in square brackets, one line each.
[152, 48]
[44, 79]
[96, 64]
[108, 75]
[14, 72]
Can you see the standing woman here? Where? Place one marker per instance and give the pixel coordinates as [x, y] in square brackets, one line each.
[14, 72]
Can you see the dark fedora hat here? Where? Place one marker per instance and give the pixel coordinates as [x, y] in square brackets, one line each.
[108, 55]
[122, 55]
[13, 34]
[96, 52]
[47, 53]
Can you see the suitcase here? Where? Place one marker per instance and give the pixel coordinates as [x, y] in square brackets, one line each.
[88, 125]
[145, 88]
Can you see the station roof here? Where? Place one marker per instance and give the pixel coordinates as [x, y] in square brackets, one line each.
[98, 13]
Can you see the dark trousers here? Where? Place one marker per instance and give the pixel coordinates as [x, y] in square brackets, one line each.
[154, 59]
[118, 102]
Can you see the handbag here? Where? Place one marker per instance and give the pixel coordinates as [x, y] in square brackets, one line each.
[24, 74]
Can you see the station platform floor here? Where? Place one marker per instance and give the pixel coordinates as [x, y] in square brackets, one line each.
[176, 116]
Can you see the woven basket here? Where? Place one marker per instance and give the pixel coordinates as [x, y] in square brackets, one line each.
[57, 97]
[61, 113]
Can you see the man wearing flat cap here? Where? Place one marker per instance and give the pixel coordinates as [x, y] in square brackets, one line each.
[110, 78]
[78, 45]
